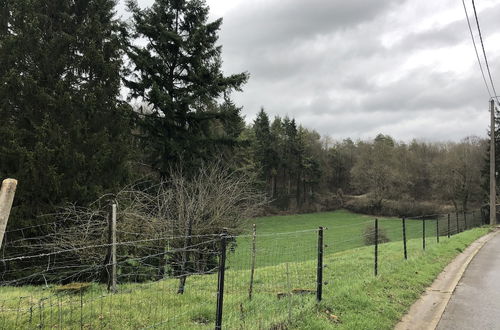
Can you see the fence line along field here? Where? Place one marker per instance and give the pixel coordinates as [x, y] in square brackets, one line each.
[270, 281]
[345, 231]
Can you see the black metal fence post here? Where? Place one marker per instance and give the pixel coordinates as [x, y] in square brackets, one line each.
[376, 247]
[220, 282]
[423, 233]
[458, 225]
[437, 229]
[448, 225]
[404, 238]
[465, 220]
[319, 270]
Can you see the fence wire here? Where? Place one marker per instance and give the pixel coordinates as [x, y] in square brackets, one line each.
[173, 282]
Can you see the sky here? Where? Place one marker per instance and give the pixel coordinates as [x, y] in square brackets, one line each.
[357, 68]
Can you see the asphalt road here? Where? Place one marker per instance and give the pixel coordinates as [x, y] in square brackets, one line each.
[475, 304]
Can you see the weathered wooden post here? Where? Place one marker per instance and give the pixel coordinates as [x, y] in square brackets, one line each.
[7, 193]
[111, 266]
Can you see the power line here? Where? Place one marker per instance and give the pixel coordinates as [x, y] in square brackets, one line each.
[484, 53]
[475, 49]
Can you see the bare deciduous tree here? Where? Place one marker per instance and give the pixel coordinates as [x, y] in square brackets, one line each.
[173, 227]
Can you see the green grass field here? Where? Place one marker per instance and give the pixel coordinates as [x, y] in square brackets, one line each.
[353, 298]
[345, 231]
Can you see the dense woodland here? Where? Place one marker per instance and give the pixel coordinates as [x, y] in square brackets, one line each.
[301, 170]
[68, 135]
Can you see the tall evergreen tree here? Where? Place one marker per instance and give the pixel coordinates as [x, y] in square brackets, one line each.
[64, 132]
[263, 146]
[178, 75]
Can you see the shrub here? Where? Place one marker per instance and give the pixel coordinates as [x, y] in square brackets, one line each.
[404, 207]
[369, 235]
[72, 288]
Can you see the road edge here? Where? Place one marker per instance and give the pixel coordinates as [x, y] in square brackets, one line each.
[426, 312]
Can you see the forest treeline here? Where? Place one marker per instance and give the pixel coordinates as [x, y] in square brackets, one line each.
[301, 170]
[69, 135]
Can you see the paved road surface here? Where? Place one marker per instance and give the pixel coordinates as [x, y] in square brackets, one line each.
[475, 304]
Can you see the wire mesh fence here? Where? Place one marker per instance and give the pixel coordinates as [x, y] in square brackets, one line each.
[107, 277]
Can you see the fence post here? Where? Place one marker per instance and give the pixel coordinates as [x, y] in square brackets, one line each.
[458, 225]
[448, 225]
[404, 238]
[111, 267]
[319, 270]
[423, 233]
[7, 193]
[376, 247]
[220, 282]
[437, 229]
[252, 270]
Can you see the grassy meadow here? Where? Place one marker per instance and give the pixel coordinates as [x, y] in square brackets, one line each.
[284, 282]
[345, 231]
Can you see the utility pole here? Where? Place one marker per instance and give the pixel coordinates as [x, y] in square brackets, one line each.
[493, 192]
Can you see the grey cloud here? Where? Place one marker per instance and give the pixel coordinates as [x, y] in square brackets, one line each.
[282, 22]
[324, 63]
[450, 34]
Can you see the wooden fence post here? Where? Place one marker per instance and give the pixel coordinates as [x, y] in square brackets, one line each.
[7, 193]
[112, 250]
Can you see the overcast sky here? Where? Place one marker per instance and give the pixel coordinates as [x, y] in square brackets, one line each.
[361, 67]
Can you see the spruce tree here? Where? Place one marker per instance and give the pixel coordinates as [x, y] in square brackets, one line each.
[263, 151]
[178, 75]
[64, 132]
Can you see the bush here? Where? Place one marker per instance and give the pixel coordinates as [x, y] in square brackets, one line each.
[369, 235]
[404, 207]
[72, 288]
[360, 204]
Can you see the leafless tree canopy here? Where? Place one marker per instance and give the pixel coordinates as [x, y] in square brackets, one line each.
[167, 228]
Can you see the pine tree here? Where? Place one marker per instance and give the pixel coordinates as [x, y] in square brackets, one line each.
[262, 148]
[178, 75]
[64, 132]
